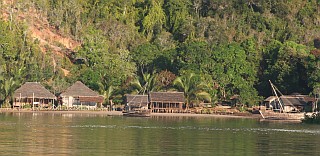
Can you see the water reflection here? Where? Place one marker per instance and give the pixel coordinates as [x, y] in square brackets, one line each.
[90, 134]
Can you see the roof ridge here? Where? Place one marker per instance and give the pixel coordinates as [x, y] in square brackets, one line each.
[79, 89]
[29, 89]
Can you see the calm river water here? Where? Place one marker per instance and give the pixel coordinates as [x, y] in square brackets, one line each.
[83, 134]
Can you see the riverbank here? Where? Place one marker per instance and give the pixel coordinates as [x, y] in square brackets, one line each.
[119, 113]
[207, 115]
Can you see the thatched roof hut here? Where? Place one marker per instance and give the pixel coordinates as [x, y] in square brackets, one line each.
[173, 97]
[137, 100]
[291, 102]
[83, 93]
[295, 100]
[33, 89]
[166, 102]
[33, 93]
[270, 98]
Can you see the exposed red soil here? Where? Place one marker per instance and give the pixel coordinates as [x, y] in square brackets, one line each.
[39, 29]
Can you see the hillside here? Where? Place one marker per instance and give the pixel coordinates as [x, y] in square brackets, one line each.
[120, 47]
[40, 30]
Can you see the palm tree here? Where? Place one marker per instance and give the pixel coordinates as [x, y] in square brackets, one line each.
[145, 84]
[192, 86]
[108, 94]
[7, 87]
[107, 90]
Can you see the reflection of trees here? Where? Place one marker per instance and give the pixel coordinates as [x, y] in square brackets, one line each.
[87, 134]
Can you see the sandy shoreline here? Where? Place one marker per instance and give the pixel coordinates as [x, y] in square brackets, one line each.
[119, 113]
[202, 115]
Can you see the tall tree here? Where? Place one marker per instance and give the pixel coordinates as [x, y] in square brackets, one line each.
[144, 55]
[234, 72]
[165, 79]
[287, 67]
[155, 18]
[195, 56]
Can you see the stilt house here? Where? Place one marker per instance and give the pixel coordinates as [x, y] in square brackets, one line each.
[33, 93]
[137, 102]
[80, 95]
[167, 102]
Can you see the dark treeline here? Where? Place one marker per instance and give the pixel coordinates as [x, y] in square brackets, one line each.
[209, 49]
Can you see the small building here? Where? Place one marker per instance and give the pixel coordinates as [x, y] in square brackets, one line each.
[293, 104]
[270, 102]
[167, 102]
[137, 102]
[80, 95]
[34, 94]
[290, 103]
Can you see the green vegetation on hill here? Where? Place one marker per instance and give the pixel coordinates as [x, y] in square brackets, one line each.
[232, 46]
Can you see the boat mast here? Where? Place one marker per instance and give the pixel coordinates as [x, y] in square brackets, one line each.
[275, 92]
[144, 88]
[317, 92]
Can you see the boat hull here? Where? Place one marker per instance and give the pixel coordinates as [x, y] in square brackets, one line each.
[136, 114]
[282, 116]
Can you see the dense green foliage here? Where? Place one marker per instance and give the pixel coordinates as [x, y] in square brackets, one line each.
[234, 46]
[20, 60]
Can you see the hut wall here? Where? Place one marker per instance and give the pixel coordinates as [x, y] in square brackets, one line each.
[38, 102]
[288, 108]
[166, 107]
[73, 101]
[78, 103]
[67, 101]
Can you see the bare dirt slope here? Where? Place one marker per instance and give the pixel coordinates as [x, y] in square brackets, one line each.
[39, 29]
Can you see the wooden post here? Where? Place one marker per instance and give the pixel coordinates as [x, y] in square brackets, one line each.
[317, 101]
[20, 101]
[111, 105]
[275, 92]
[33, 101]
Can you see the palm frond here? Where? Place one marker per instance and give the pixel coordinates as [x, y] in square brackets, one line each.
[134, 91]
[136, 84]
[204, 96]
[111, 89]
[178, 82]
